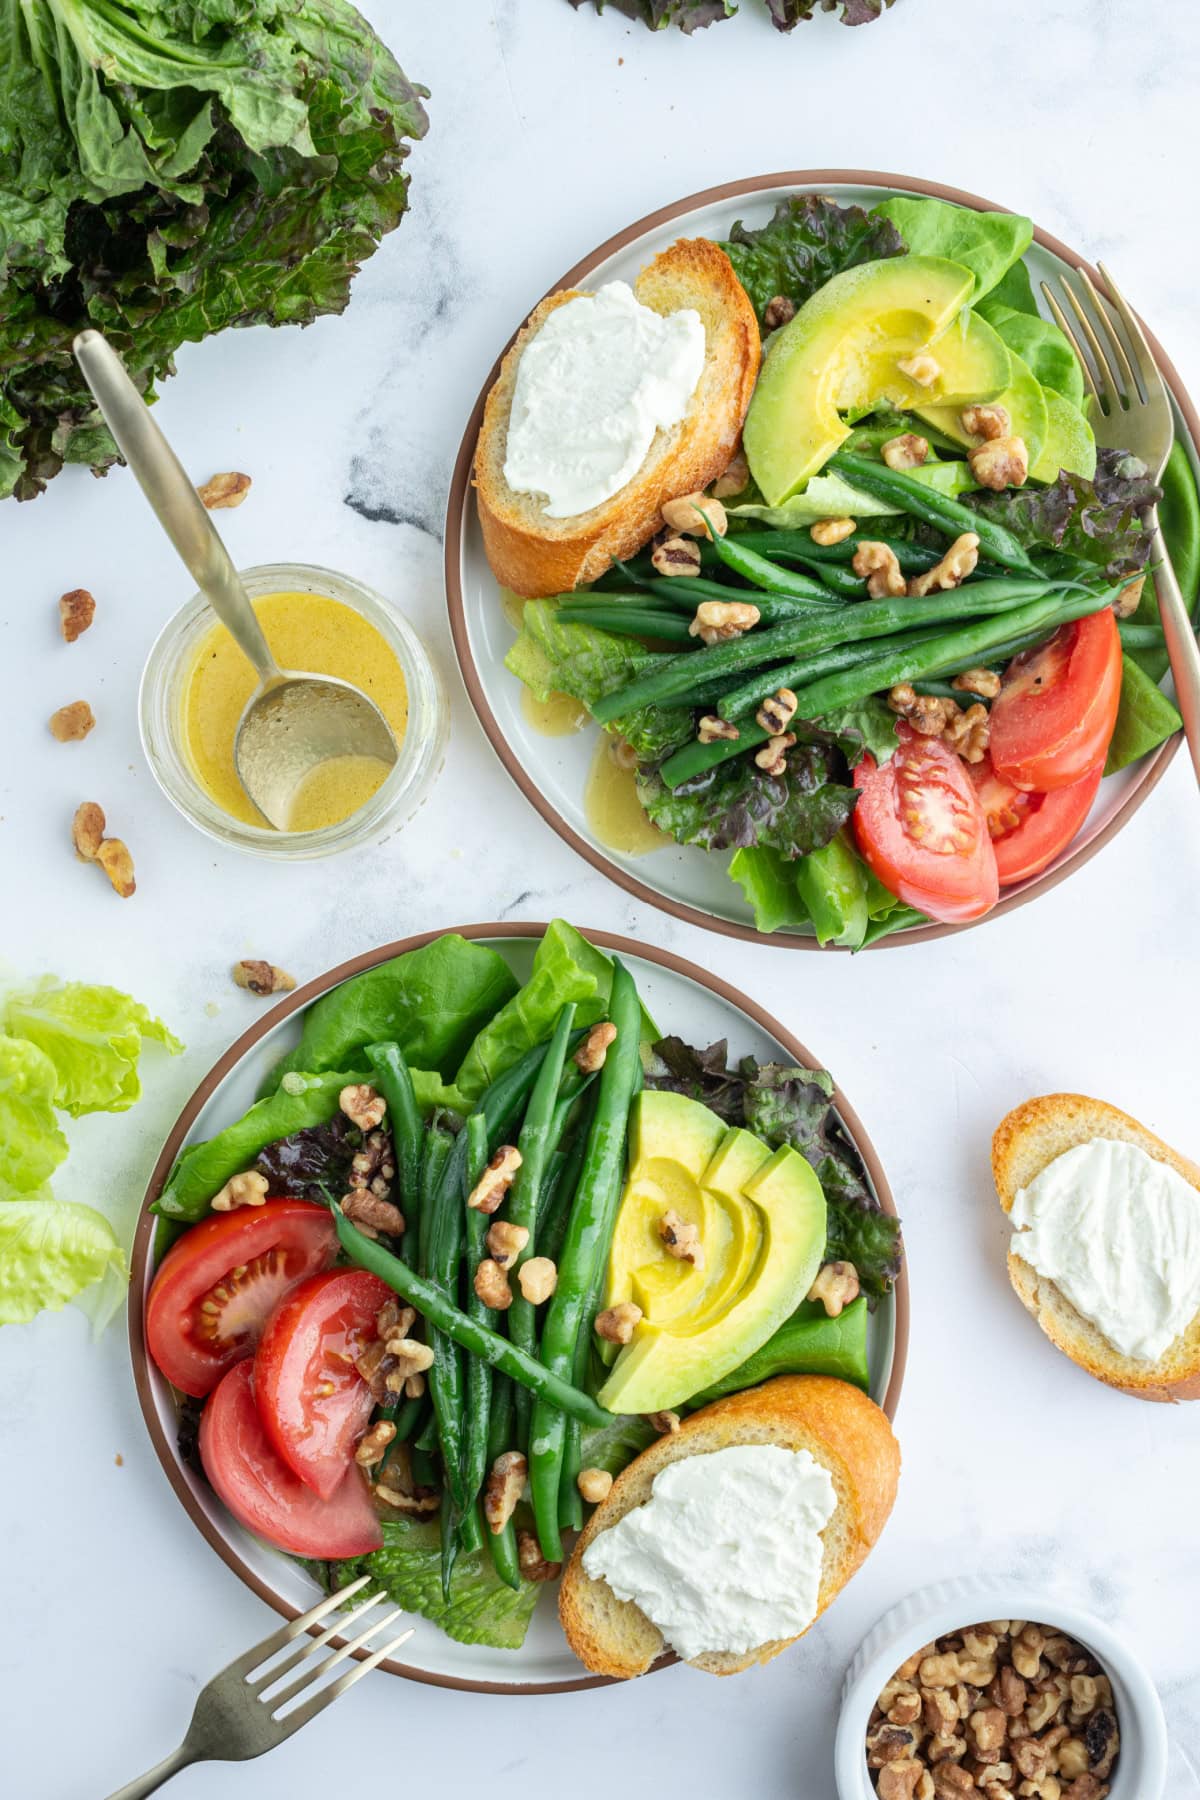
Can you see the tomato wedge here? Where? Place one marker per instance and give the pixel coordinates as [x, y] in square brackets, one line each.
[313, 1401]
[1029, 830]
[920, 828]
[219, 1284]
[1055, 712]
[262, 1493]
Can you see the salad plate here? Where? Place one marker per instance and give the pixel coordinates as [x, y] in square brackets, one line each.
[553, 770]
[684, 1001]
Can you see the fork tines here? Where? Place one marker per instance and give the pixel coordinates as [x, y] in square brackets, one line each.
[1125, 375]
[263, 1681]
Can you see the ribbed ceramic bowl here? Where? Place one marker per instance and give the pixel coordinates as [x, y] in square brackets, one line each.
[932, 1612]
[552, 772]
[683, 999]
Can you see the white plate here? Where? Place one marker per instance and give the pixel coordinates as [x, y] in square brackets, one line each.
[683, 1000]
[552, 772]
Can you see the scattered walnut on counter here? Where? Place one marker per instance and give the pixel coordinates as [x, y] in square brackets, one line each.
[70, 723]
[1000, 1709]
[87, 830]
[114, 858]
[262, 977]
[76, 611]
[229, 489]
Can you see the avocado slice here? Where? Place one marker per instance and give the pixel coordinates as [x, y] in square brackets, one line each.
[672, 1140]
[1070, 442]
[848, 334]
[973, 362]
[660, 1367]
[1024, 400]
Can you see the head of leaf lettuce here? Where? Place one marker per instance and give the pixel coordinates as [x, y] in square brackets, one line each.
[74, 1048]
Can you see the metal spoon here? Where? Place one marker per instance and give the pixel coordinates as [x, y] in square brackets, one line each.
[292, 721]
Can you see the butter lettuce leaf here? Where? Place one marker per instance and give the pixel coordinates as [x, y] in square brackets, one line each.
[55, 1251]
[808, 239]
[768, 880]
[1145, 719]
[1041, 345]
[565, 967]
[987, 243]
[92, 1035]
[31, 1144]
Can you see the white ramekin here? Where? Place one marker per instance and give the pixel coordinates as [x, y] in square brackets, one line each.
[946, 1607]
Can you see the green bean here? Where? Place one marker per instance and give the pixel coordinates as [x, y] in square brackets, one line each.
[438, 1145]
[423, 1471]
[696, 759]
[582, 598]
[479, 1374]
[427, 1438]
[470, 1529]
[556, 1209]
[404, 1416]
[503, 1543]
[593, 1213]
[525, 1194]
[913, 559]
[678, 676]
[760, 572]
[448, 1523]
[925, 503]
[637, 622]
[956, 650]
[738, 701]
[836, 576]
[394, 1082]
[478, 1340]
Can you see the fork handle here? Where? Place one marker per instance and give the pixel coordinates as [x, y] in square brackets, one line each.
[154, 1778]
[1181, 642]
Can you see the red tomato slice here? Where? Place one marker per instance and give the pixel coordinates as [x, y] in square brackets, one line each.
[313, 1401]
[1054, 715]
[262, 1493]
[1029, 830]
[921, 829]
[218, 1285]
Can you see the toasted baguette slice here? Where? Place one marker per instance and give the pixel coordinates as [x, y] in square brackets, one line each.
[534, 555]
[838, 1425]
[1025, 1142]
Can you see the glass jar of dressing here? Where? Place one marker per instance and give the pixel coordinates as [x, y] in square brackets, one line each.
[196, 683]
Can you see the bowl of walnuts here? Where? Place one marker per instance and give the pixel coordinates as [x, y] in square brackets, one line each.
[986, 1690]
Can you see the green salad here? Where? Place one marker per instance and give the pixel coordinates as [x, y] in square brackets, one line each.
[474, 1246]
[882, 666]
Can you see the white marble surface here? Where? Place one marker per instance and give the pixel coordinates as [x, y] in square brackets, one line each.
[550, 130]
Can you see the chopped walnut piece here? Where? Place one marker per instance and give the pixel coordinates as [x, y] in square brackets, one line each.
[114, 858]
[717, 621]
[681, 1238]
[262, 977]
[394, 1319]
[73, 722]
[593, 1051]
[363, 1208]
[778, 311]
[362, 1105]
[491, 1285]
[984, 682]
[735, 478]
[665, 1422]
[987, 1729]
[229, 489]
[373, 1443]
[488, 1194]
[921, 368]
[960, 560]
[836, 1286]
[87, 831]
[506, 1242]
[889, 1743]
[907, 451]
[968, 732]
[713, 730]
[533, 1564]
[418, 1505]
[537, 1279]
[899, 1780]
[503, 1488]
[777, 712]
[832, 531]
[949, 1781]
[676, 556]
[939, 1670]
[1129, 599]
[985, 421]
[683, 515]
[594, 1485]
[412, 1356]
[926, 713]
[1000, 463]
[1008, 1692]
[616, 1323]
[246, 1189]
[877, 564]
[772, 758]
[76, 611]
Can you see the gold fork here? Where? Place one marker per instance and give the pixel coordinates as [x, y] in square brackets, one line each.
[237, 1717]
[1132, 412]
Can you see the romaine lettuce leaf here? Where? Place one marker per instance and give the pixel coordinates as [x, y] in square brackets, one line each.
[987, 243]
[92, 1035]
[54, 1251]
[808, 239]
[565, 967]
[555, 654]
[480, 1609]
[31, 1144]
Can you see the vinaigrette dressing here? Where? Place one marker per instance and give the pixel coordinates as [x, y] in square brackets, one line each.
[612, 807]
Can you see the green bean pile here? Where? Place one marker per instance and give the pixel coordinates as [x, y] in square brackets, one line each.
[513, 1380]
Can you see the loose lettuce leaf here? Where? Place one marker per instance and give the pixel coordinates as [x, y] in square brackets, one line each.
[830, 497]
[92, 1035]
[54, 1251]
[739, 805]
[203, 1169]
[693, 15]
[554, 654]
[808, 239]
[1145, 719]
[768, 881]
[833, 887]
[865, 725]
[31, 1144]
[480, 1609]
[430, 1001]
[1015, 290]
[1101, 521]
[565, 967]
[1040, 345]
[809, 1343]
[786, 14]
[677, 1067]
[987, 243]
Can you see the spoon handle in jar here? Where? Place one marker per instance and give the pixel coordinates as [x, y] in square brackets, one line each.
[165, 484]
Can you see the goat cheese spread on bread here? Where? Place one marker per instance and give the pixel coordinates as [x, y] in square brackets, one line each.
[602, 375]
[726, 1553]
[1118, 1232]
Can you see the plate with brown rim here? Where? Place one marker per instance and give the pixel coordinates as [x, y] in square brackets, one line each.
[684, 999]
[553, 771]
